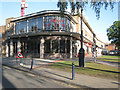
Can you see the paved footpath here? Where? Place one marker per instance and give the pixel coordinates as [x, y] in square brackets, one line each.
[66, 77]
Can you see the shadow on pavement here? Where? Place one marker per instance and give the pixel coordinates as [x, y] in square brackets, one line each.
[58, 75]
[6, 84]
[116, 83]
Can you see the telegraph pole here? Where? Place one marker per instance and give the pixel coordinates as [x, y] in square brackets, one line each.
[81, 51]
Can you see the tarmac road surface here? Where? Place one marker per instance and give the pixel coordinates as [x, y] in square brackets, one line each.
[17, 79]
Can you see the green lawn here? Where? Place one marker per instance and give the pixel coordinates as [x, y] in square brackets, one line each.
[109, 58]
[92, 69]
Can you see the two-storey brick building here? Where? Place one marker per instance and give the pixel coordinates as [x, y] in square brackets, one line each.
[47, 34]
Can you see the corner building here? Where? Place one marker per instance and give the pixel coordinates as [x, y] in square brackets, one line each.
[48, 34]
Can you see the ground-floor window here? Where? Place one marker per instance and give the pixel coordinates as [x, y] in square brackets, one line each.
[15, 48]
[57, 46]
[62, 46]
[47, 46]
[54, 46]
[87, 49]
[68, 46]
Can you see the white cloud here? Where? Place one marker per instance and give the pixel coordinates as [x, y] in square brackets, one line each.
[103, 37]
[86, 17]
[68, 10]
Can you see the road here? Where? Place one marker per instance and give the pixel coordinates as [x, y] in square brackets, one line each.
[18, 79]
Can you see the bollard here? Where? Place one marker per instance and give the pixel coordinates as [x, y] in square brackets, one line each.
[73, 71]
[31, 64]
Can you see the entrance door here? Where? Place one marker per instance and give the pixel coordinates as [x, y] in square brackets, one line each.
[34, 48]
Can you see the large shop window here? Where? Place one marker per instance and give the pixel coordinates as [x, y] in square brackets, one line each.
[33, 23]
[21, 27]
[62, 46]
[56, 23]
[55, 46]
[49, 23]
[36, 24]
[52, 46]
[47, 46]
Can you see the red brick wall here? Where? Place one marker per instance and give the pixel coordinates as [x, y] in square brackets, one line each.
[110, 47]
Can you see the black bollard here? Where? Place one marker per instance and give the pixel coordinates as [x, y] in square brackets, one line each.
[73, 71]
[31, 64]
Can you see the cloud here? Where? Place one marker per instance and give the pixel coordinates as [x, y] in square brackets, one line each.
[86, 17]
[103, 37]
[68, 10]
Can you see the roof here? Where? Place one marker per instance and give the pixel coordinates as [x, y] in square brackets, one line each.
[43, 13]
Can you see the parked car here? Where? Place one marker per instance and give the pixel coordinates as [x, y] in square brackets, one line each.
[104, 51]
[113, 52]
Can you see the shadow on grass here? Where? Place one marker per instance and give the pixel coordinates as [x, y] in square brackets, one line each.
[69, 66]
[58, 75]
[110, 62]
[102, 70]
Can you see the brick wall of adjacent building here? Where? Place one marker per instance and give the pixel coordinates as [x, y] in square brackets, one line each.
[2, 30]
[110, 47]
[6, 30]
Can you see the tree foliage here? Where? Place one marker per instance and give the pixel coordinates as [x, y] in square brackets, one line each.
[76, 5]
[113, 33]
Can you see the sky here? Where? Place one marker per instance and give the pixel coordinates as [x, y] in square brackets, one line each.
[12, 8]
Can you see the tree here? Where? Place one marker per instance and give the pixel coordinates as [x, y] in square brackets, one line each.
[76, 5]
[113, 33]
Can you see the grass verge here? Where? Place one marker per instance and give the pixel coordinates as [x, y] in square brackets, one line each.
[109, 58]
[92, 69]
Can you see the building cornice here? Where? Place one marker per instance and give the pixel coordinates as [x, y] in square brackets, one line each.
[44, 13]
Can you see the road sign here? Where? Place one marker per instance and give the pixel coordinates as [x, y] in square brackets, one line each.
[19, 55]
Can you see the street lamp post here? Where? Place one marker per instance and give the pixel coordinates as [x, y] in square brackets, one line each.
[94, 48]
[81, 51]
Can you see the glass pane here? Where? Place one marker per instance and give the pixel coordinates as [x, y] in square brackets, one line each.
[22, 26]
[17, 28]
[40, 23]
[68, 46]
[68, 25]
[50, 23]
[55, 46]
[33, 25]
[59, 23]
[63, 23]
[54, 24]
[45, 23]
[62, 46]
[47, 46]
